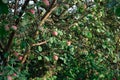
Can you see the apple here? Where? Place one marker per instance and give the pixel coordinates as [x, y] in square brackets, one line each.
[9, 77]
[14, 74]
[16, 54]
[7, 28]
[114, 79]
[54, 33]
[20, 58]
[14, 27]
[55, 57]
[32, 11]
[46, 2]
[68, 43]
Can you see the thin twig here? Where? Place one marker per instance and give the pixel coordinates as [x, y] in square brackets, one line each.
[38, 44]
[25, 56]
[1, 45]
[15, 8]
[47, 15]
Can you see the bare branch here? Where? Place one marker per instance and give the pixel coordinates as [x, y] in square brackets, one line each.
[38, 44]
[47, 15]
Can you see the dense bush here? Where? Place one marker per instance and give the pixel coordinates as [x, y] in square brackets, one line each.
[59, 40]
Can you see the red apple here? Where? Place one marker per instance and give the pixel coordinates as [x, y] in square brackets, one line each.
[55, 57]
[14, 27]
[14, 74]
[32, 11]
[16, 54]
[7, 28]
[68, 43]
[54, 33]
[46, 2]
[9, 77]
[114, 79]
[20, 58]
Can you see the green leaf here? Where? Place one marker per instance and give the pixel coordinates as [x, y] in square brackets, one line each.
[101, 76]
[40, 48]
[47, 58]
[51, 40]
[117, 11]
[104, 46]
[39, 58]
[3, 8]
[60, 32]
[88, 34]
[23, 44]
[115, 60]
[6, 55]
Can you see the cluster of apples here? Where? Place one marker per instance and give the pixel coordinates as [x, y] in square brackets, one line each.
[55, 57]
[55, 33]
[32, 11]
[14, 27]
[7, 28]
[20, 57]
[46, 2]
[9, 77]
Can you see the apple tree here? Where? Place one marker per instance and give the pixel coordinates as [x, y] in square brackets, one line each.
[59, 39]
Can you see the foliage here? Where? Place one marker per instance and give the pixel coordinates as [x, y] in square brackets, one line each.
[60, 40]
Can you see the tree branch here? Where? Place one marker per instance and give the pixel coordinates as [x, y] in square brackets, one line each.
[7, 47]
[38, 44]
[46, 15]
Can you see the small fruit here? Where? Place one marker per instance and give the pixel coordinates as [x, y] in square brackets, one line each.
[54, 33]
[14, 74]
[14, 27]
[7, 28]
[68, 43]
[55, 57]
[46, 2]
[9, 77]
[20, 58]
[32, 11]
[16, 54]
[114, 79]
